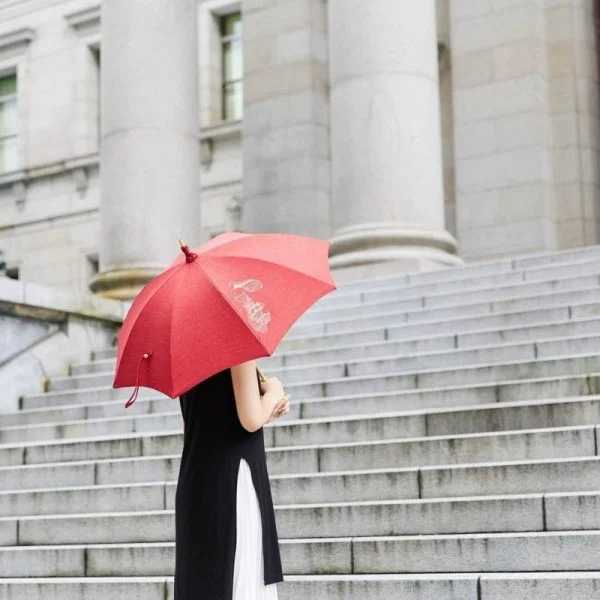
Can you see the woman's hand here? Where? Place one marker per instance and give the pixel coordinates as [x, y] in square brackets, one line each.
[272, 386]
[281, 408]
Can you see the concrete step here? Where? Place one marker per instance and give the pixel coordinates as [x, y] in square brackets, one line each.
[292, 430]
[503, 552]
[556, 442]
[393, 517]
[502, 297]
[548, 340]
[367, 318]
[380, 328]
[378, 358]
[467, 292]
[358, 378]
[123, 465]
[563, 266]
[448, 324]
[467, 333]
[472, 277]
[324, 587]
[514, 586]
[77, 480]
[548, 388]
[499, 553]
[540, 586]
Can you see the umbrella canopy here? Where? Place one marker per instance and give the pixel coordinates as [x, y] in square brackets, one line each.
[223, 303]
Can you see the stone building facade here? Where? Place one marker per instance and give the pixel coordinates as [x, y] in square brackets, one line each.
[427, 133]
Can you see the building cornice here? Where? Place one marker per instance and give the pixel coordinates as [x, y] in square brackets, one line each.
[11, 9]
[77, 167]
[55, 168]
[86, 24]
[15, 42]
[209, 135]
[85, 20]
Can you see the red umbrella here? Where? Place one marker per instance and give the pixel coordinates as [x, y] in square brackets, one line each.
[223, 303]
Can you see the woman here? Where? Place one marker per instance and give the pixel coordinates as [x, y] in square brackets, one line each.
[226, 544]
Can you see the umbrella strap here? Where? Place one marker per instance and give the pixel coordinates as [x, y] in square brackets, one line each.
[134, 395]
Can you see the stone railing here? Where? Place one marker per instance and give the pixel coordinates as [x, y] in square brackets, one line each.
[44, 331]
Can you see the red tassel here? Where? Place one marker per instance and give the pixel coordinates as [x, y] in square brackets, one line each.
[134, 395]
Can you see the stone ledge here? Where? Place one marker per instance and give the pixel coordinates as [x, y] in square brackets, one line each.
[56, 168]
[86, 24]
[16, 40]
[44, 303]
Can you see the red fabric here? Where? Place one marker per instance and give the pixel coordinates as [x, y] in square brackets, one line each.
[231, 303]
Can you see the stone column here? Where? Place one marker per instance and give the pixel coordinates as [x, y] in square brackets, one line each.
[149, 140]
[386, 141]
[286, 118]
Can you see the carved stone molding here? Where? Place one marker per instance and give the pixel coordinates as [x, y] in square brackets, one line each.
[234, 210]
[15, 43]
[86, 24]
[19, 189]
[80, 177]
[214, 133]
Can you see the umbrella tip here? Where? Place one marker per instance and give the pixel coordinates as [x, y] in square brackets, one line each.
[189, 255]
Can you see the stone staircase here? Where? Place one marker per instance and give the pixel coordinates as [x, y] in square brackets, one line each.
[442, 444]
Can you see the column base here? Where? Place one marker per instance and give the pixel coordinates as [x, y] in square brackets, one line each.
[366, 250]
[124, 283]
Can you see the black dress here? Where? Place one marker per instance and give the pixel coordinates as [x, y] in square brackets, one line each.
[205, 498]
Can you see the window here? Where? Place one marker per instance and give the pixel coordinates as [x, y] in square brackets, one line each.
[95, 50]
[8, 123]
[12, 272]
[233, 71]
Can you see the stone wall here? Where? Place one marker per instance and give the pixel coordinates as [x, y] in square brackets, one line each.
[43, 332]
[526, 125]
[286, 117]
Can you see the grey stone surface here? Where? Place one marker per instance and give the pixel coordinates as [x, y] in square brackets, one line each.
[149, 140]
[384, 72]
[285, 143]
[437, 457]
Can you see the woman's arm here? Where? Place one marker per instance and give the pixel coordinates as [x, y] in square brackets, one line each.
[253, 411]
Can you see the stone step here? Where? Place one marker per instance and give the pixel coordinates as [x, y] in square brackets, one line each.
[563, 511]
[292, 430]
[438, 295]
[324, 587]
[393, 517]
[428, 291]
[321, 336]
[499, 553]
[124, 452]
[562, 266]
[357, 378]
[467, 332]
[464, 324]
[464, 553]
[378, 358]
[545, 340]
[562, 585]
[501, 297]
[371, 318]
[149, 404]
[120, 479]
[540, 586]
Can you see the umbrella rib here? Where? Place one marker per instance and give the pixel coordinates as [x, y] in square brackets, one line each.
[235, 312]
